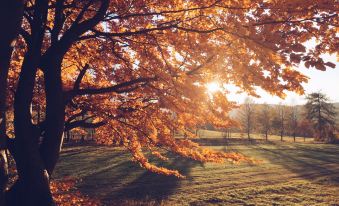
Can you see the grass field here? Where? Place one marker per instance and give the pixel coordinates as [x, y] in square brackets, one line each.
[215, 134]
[290, 174]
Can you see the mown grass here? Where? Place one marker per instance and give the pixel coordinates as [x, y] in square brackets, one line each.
[289, 174]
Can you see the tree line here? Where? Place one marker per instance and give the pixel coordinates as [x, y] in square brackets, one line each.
[317, 118]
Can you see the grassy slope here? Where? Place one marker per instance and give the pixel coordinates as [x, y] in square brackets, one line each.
[290, 174]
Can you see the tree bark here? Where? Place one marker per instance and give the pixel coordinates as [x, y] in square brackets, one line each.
[11, 13]
[55, 111]
[32, 186]
[5, 54]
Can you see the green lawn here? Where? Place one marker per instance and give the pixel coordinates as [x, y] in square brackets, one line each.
[290, 174]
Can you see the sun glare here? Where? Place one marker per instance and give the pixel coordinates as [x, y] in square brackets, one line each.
[212, 87]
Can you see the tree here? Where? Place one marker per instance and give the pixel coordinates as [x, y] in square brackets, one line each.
[322, 114]
[10, 18]
[293, 121]
[282, 119]
[247, 116]
[279, 120]
[305, 129]
[264, 119]
[137, 68]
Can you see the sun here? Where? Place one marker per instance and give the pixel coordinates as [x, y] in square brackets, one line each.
[213, 87]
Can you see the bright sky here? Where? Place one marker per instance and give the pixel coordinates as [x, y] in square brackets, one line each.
[326, 82]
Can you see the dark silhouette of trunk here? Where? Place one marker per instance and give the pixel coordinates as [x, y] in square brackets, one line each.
[55, 113]
[5, 54]
[266, 136]
[36, 148]
[32, 186]
[11, 13]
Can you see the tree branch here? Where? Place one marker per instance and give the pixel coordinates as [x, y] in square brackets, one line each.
[80, 77]
[118, 88]
[83, 124]
[73, 117]
[58, 21]
[191, 72]
[71, 35]
[164, 12]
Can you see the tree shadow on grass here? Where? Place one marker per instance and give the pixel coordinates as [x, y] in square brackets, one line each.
[127, 181]
[227, 141]
[313, 165]
[312, 162]
[82, 164]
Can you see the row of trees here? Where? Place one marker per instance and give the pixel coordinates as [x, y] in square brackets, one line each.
[317, 118]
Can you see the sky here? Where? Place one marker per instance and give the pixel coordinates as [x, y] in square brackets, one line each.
[326, 82]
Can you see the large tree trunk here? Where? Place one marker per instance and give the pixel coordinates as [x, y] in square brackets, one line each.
[55, 114]
[11, 13]
[32, 186]
[5, 54]
[3, 157]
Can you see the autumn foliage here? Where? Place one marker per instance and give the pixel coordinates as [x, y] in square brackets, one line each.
[137, 70]
[65, 194]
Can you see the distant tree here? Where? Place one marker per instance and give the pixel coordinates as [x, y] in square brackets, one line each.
[293, 121]
[305, 129]
[247, 116]
[322, 114]
[264, 119]
[281, 119]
